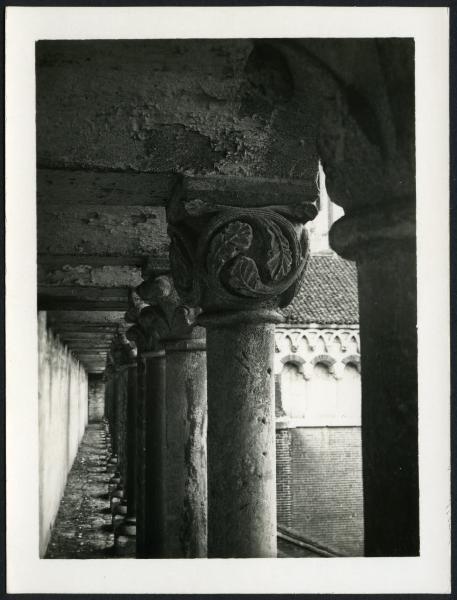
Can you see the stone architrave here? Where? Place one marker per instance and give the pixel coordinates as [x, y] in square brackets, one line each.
[367, 151]
[239, 265]
[184, 452]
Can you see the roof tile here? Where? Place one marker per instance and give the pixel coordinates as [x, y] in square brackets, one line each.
[328, 293]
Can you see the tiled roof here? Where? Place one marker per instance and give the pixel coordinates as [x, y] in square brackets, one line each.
[328, 293]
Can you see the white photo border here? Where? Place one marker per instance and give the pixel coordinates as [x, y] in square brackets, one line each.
[430, 572]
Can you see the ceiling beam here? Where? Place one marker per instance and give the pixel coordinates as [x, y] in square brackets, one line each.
[86, 299]
[86, 317]
[112, 231]
[74, 187]
[83, 275]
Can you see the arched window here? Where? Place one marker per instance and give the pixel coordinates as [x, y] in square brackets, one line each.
[326, 393]
[321, 394]
[349, 394]
[293, 390]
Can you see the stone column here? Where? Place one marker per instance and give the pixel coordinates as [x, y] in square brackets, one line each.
[241, 437]
[185, 459]
[111, 463]
[122, 353]
[239, 265]
[150, 429]
[367, 151]
[384, 247]
[184, 452]
[125, 540]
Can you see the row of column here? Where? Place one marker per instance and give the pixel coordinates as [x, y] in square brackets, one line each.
[158, 426]
[196, 461]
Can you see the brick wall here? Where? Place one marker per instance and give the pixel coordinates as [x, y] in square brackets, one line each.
[283, 477]
[325, 485]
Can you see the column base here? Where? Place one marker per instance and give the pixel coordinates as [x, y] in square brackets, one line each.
[125, 540]
[114, 484]
[119, 513]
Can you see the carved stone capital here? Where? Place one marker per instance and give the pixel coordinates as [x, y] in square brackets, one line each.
[110, 368]
[227, 258]
[122, 351]
[159, 315]
[146, 324]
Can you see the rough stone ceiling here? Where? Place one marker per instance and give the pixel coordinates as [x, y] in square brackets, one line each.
[121, 123]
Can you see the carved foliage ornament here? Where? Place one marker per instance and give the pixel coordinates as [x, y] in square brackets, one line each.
[122, 350]
[161, 317]
[237, 258]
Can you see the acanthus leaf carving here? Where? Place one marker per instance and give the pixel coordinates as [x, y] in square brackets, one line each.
[280, 257]
[245, 258]
[245, 278]
[182, 266]
[229, 243]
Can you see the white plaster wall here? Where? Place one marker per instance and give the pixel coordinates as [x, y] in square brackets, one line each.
[63, 414]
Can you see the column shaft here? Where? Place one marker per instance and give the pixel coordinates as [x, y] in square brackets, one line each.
[140, 451]
[114, 412]
[131, 439]
[151, 423]
[121, 420]
[241, 441]
[387, 298]
[185, 470]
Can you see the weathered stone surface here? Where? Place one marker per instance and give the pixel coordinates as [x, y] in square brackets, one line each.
[185, 456]
[230, 258]
[182, 415]
[82, 318]
[67, 186]
[81, 337]
[81, 298]
[241, 442]
[89, 276]
[239, 264]
[246, 191]
[185, 106]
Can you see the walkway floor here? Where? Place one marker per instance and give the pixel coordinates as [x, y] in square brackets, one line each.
[83, 524]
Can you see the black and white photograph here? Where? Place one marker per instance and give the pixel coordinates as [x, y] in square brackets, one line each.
[227, 288]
